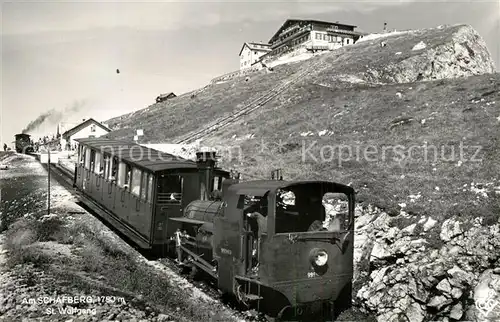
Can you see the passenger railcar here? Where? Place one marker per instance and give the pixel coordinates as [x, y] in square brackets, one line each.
[283, 247]
[23, 143]
[141, 188]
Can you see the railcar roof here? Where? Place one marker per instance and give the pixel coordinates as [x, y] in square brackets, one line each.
[260, 187]
[142, 156]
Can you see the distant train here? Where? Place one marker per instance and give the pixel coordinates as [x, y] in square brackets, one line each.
[263, 242]
[23, 143]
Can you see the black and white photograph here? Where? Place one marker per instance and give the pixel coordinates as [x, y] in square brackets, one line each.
[250, 161]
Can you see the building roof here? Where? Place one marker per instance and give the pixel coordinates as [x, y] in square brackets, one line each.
[80, 126]
[139, 155]
[291, 21]
[252, 46]
[167, 95]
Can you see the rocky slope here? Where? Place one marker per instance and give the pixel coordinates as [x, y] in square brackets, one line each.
[417, 268]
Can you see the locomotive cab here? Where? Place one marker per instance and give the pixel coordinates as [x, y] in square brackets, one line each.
[287, 246]
[23, 143]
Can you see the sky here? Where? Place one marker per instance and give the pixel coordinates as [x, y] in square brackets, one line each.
[63, 55]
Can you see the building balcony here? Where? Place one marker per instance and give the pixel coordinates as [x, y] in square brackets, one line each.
[299, 33]
[284, 32]
[332, 31]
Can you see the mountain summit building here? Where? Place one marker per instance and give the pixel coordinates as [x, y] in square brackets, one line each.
[251, 52]
[312, 35]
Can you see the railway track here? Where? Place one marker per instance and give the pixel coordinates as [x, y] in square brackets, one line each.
[250, 107]
[64, 177]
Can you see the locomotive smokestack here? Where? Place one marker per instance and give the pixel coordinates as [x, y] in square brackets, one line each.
[206, 164]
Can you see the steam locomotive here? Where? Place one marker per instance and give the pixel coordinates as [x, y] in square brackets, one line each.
[23, 143]
[272, 245]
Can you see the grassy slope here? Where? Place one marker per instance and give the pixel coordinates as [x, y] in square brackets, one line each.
[168, 120]
[368, 115]
[163, 121]
[359, 115]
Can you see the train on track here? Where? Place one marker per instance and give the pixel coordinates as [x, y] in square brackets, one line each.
[23, 143]
[268, 244]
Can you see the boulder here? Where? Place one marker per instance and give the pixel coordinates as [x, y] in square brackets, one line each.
[457, 311]
[459, 278]
[445, 287]
[429, 224]
[380, 251]
[438, 302]
[487, 296]
[415, 313]
[417, 290]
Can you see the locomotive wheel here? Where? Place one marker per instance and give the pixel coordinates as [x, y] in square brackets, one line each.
[240, 296]
[280, 315]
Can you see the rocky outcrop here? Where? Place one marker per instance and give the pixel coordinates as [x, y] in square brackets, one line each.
[424, 55]
[428, 269]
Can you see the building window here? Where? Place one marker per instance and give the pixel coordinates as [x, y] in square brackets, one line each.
[92, 128]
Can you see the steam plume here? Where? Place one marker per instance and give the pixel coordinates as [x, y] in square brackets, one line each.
[53, 117]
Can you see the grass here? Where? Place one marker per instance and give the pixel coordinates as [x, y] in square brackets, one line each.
[215, 101]
[450, 117]
[98, 266]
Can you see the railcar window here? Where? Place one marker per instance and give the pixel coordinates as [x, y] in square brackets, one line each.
[82, 154]
[144, 186]
[98, 166]
[128, 175]
[216, 183]
[114, 168]
[251, 204]
[170, 189]
[136, 182]
[336, 212]
[121, 174]
[87, 158]
[150, 188]
[92, 160]
[106, 166]
[311, 210]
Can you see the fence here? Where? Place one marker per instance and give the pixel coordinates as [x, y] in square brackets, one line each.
[234, 74]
